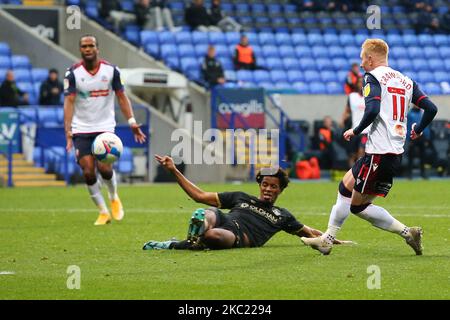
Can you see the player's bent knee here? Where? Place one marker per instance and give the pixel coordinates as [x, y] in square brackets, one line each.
[107, 175]
[90, 178]
[216, 239]
[359, 208]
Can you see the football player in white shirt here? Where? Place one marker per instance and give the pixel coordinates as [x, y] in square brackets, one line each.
[90, 87]
[387, 93]
[355, 109]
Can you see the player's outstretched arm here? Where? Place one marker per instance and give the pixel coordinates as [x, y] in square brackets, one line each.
[197, 194]
[127, 111]
[69, 102]
[309, 232]
[430, 110]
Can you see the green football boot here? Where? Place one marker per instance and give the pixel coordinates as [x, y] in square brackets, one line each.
[196, 225]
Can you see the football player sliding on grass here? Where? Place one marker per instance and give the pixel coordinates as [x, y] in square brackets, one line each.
[251, 221]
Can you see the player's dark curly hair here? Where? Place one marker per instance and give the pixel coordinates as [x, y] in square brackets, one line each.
[270, 172]
[89, 36]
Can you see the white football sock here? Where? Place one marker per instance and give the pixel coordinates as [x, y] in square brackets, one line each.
[380, 218]
[338, 215]
[97, 197]
[112, 186]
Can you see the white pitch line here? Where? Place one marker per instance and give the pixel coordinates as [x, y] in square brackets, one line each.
[6, 272]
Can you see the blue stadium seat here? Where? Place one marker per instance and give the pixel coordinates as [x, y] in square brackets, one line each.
[416, 52]
[48, 117]
[331, 39]
[2, 74]
[242, 7]
[341, 64]
[149, 36]
[435, 65]
[184, 50]
[410, 74]
[266, 38]
[193, 74]
[245, 76]
[324, 64]
[166, 37]
[445, 52]
[425, 40]
[307, 64]
[189, 64]
[4, 49]
[336, 52]
[440, 40]
[232, 38]
[431, 53]
[261, 76]
[295, 76]
[432, 88]
[420, 65]
[183, 37]
[425, 76]
[328, 76]
[352, 52]
[441, 76]
[359, 39]
[290, 63]
[26, 86]
[227, 63]
[341, 75]
[230, 75]
[172, 62]
[270, 51]
[311, 76]
[290, 8]
[320, 52]
[201, 49]
[23, 75]
[398, 52]
[169, 50]
[410, 40]
[152, 49]
[222, 51]
[39, 74]
[252, 38]
[315, 39]
[257, 50]
[303, 51]
[299, 39]
[274, 63]
[347, 40]
[394, 40]
[217, 38]
[287, 51]
[301, 87]
[278, 75]
[20, 62]
[404, 64]
[317, 87]
[447, 64]
[283, 39]
[334, 88]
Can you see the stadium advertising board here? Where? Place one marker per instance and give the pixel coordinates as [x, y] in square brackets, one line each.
[238, 108]
[9, 131]
[43, 21]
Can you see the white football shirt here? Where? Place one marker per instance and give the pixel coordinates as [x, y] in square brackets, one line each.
[387, 133]
[95, 93]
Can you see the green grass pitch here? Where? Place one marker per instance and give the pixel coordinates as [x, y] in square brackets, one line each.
[43, 231]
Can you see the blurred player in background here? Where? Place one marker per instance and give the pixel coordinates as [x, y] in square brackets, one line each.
[387, 94]
[89, 89]
[355, 110]
[251, 221]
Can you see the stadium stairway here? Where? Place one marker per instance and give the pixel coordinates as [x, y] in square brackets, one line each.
[25, 174]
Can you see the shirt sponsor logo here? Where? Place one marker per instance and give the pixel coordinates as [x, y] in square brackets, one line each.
[261, 212]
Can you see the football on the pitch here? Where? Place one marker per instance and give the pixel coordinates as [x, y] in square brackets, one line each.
[107, 147]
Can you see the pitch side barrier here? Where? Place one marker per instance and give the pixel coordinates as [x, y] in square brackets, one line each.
[245, 108]
[44, 126]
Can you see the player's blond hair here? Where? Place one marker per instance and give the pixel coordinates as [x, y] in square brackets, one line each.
[376, 47]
